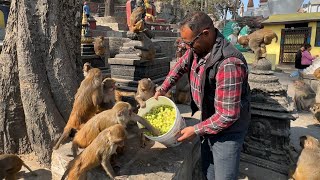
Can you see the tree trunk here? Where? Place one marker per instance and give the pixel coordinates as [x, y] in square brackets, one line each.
[109, 8]
[41, 67]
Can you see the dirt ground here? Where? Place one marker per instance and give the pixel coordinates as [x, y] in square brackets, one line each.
[304, 125]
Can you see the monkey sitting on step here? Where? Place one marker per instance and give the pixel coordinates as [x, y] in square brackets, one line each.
[10, 165]
[304, 96]
[148, 50]
[121, 113]
[309, 160]
[181, 94]
[98, 152]
[99, 46]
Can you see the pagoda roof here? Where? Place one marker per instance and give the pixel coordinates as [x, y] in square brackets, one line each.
[292, 18]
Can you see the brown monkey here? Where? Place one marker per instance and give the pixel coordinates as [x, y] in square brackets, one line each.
[182, 91]
[99, 46]
[316, 73]
[98, 152]
[304, 96]
[258, 40]
[86, 103]
[86, 67]
[315, 110]
[147, 48]
[146, 90]
[10, 165]
[309, 160]
[109, 88]
[136, 20]
[120, 114]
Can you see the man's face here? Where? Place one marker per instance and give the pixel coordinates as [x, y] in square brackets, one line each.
[195, 41]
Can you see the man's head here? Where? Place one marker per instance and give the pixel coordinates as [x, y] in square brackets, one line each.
[197, 31]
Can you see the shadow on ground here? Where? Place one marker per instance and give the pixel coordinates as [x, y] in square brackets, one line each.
[41, 174]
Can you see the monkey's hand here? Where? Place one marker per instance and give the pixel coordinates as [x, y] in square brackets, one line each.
[142, 104]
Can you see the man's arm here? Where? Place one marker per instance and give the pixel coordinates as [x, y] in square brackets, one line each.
[229, 79]
[176, 72]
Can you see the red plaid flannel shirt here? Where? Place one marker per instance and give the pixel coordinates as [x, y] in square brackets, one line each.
[230, 75]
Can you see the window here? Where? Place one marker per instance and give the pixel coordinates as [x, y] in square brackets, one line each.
[317, 42]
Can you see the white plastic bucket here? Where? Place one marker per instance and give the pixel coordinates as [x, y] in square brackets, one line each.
[168, 139]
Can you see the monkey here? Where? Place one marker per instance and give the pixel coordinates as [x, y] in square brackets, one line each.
[120, 114]
[309, 160]
[181, 47]
[304, 96]
[315, 110]
[86, 103]
[146, 90]
[98, 152]
[10, 165]
[181, 94]
[256, 39]
[99, 46]
[86, 67]
[108, 88]
[148, 50]
[136, 19]
[316, 73]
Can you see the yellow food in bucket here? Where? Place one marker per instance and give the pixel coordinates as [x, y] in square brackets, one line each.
[161, 117]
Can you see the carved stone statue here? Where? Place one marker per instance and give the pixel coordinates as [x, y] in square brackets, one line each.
[257, 41]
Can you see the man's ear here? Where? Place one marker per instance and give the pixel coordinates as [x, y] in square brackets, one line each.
[205, 32]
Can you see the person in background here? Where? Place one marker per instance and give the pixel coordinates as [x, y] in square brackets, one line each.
[297, 63]
[86, 9]
[307, 58]
[218, 78]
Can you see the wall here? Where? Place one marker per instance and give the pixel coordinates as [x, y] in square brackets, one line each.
[274, 47]
[314, 50]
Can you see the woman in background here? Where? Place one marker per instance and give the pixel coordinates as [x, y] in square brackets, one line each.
[307, 58]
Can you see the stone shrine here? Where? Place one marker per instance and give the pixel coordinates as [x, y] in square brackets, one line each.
[267, 143]
[127, 67]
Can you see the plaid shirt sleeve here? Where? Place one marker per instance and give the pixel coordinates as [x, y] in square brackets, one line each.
[229, 79]
[176, 72]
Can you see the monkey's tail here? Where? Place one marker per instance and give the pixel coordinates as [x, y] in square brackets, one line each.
[62, 138]
[276, 36]
[32, 172]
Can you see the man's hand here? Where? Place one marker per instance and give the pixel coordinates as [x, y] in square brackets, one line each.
[158, 93]
[187, 134]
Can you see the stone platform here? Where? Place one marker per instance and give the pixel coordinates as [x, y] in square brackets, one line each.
[155, 161]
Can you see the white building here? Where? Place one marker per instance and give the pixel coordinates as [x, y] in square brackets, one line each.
[313, 6]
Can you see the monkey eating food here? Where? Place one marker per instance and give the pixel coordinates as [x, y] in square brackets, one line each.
[121, 113]
[98, 152]
[10, 165]
[86, 103]
[146, 90]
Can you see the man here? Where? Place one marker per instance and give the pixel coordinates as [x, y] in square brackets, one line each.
[218, 76]
[86, 9]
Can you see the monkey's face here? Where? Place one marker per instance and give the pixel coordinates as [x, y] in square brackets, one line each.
[123, 112]
[244, 41]
[117, 134]
[145, 85]
[309, 142]
[298, 84]
[109, 85]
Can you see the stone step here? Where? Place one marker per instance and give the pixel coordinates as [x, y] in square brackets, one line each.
[129, 61]
[134, 56]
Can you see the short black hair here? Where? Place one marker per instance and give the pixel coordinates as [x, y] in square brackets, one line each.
[306, 46]
[196, 21]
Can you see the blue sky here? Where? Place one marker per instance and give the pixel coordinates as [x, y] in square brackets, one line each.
[256, 3]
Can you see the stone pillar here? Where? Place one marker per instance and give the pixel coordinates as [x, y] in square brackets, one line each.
[109, 8]
[267, 143]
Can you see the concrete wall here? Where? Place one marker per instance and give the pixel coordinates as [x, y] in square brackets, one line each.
[274, 47]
